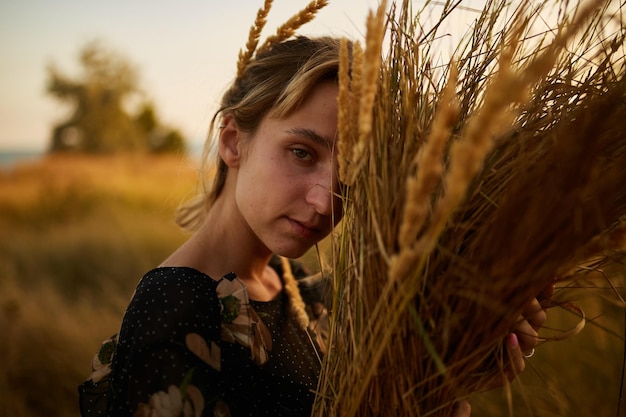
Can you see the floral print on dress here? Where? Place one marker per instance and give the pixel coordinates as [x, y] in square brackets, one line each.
[240, 323]
[101, 362]
[210, 354]
[221, 409]
[176, 402]
[231, 325]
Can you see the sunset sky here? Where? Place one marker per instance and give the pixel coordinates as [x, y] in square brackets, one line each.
[185, 51]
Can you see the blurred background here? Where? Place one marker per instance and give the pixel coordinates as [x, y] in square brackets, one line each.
[184, 52]
[103, 107]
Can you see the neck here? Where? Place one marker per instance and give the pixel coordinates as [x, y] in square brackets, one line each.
[223, 244]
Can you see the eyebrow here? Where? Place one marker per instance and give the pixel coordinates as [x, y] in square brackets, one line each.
[312, 136]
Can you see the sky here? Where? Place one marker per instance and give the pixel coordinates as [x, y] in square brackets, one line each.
[185, 51]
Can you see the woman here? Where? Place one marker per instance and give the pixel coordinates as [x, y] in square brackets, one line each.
[219, 328]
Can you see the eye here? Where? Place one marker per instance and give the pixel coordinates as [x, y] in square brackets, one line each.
[301, 154]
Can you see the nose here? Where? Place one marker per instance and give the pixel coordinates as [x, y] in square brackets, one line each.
[321, 198]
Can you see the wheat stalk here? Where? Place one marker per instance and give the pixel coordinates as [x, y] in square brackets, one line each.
[430, 281]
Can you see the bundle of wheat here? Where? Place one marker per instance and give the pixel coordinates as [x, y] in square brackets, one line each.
[465, 198]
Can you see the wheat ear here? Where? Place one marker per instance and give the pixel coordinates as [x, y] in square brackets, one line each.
[346, 138]
[368, 87]
[429, 164]
[296, 304]
[253, 38]
[287, 29]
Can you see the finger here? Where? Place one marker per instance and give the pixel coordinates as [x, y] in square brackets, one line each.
[535, 314]
[526, 335]
[545, 296]
[516, 356]
[514, 363]
[462, 409]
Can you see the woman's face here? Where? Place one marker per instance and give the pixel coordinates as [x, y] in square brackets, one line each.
[287, 180]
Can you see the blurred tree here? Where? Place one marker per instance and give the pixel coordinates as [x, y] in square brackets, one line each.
[100, 121]
[146, 119]
[160, 139]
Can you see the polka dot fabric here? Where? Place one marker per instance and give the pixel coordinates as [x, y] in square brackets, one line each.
[171, 352]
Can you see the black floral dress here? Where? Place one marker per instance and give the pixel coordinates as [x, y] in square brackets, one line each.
[193, 346]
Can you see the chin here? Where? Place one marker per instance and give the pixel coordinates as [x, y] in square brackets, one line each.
[292, 252]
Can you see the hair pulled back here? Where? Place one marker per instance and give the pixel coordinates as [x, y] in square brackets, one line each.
[275, 81]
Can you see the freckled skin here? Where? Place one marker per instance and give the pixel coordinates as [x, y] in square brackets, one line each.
[284, 182]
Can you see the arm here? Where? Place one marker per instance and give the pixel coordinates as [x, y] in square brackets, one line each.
[168, 354]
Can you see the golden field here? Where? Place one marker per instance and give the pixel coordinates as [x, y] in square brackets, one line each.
[78, 233]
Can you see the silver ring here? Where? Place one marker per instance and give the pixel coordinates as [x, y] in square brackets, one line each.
[532, 352]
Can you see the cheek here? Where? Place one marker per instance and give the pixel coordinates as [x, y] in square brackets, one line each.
[249, 189]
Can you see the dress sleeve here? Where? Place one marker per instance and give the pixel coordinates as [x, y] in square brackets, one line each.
[168, 353]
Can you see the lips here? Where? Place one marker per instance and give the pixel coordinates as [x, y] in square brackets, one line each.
[306, 229]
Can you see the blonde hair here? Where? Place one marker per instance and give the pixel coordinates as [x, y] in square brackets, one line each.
[276, 80]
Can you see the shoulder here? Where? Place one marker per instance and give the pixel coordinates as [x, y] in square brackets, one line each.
[177, 282]
[174, 297]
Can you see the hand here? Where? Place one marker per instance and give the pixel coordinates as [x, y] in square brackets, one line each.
[522, 341]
